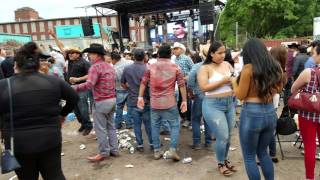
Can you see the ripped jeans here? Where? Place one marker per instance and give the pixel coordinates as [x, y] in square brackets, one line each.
[219, 114]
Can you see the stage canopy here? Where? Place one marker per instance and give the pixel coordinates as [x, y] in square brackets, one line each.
[151, 6]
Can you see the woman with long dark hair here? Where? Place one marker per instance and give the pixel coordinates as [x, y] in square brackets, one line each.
[36, 116]
[260, 79]
[309, 122]
[280, 54]
[218, 108]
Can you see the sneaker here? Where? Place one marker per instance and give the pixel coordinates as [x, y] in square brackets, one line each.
[157, 155]
[185, 124]
[208, 147]
[86, 131]
[274, 159]
[114, 154]
[165, 133]
[174, 155]
[196, 146]
[140, 148]
[97, 158]
[81, 129]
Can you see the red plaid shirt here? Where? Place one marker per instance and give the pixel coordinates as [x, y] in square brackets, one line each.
[163, 76]
[101, 79]
[312, 87]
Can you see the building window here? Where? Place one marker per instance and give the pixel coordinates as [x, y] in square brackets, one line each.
[43, 37]
[58, 22]
[76, 21]
[142, 35]
[94, 20]
[17, 28]
[9, 28]
[50, 25]
[25, 28]
[1, 29]
[34, 38]
[114, 21]
[133, 35]
[67, 22]
[41, 25]
[33, 27]
[104, 21]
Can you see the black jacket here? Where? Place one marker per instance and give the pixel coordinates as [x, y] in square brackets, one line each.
[7, 67]
[36, 110]
[298, 64]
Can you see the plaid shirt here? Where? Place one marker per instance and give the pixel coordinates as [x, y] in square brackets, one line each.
[185, 63]
[163, 76]
[312, 87]
[101, 79]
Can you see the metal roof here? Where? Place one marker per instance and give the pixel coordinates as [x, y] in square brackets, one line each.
[151, 6]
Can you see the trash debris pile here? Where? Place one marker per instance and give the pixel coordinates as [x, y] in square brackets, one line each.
[126, 140]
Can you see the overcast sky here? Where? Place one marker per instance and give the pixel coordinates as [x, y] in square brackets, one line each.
[48, 8]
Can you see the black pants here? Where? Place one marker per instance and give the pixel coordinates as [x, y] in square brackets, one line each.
[47, 163]
[186, 116]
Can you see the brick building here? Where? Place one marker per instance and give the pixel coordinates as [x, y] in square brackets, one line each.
[28, 22]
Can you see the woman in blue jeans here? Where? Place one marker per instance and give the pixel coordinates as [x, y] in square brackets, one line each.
[218, 108]
[260, 79]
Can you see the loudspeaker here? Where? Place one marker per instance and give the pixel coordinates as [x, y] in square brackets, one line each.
[87, 26]
[206, 12]
[124, 22]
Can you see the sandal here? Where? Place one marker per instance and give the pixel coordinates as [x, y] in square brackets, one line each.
[230, 166]
[224, 170]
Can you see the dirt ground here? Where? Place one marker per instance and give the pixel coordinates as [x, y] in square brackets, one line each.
[203, 166]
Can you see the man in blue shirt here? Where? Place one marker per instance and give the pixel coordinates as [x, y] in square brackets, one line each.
[130, 80]
[185, 63]
[310, 62]
[196, 109]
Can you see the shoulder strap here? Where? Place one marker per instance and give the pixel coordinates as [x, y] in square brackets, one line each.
[317, 74]
[11, 116]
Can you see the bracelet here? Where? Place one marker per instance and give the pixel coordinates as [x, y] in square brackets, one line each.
[139, 98]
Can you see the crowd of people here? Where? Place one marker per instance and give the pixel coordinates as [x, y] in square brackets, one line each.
[162, 89]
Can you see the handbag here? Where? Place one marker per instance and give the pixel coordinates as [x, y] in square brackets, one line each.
[8, 161]
[286, 124]
[304, 101]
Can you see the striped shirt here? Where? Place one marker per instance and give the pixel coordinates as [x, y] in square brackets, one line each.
[312, 87]
[101, 79]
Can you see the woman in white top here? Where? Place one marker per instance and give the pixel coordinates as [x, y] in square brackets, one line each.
[218, 106]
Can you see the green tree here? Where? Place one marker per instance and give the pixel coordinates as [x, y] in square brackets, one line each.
[268, 18]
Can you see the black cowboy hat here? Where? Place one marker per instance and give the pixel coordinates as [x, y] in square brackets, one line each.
[293, 45]
[43, 55]
[95, 48]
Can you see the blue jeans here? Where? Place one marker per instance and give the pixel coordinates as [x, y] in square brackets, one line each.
[196, 114]
[82, 110]
[122, 96]
[164, 126]
[140, 116]
[91, 100]
[172, 117]
[219, 113]
[257, 126]
[273, 147]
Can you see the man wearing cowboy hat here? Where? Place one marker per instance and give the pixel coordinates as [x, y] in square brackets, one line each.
[77, 71]
[185, 63]
[101, 79]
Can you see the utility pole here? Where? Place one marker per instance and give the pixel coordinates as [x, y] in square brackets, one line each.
[237, 36]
